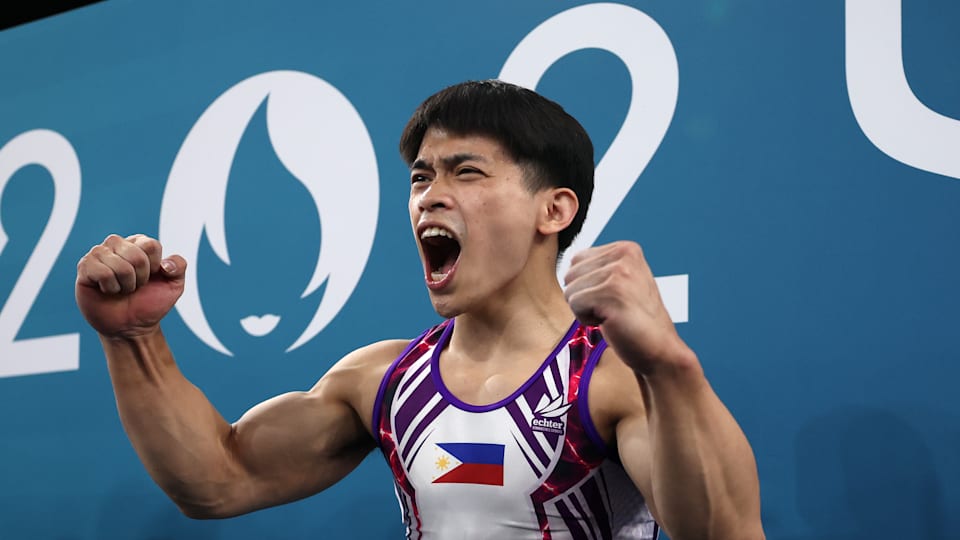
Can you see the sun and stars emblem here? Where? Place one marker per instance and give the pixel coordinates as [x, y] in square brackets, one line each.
[442, 464]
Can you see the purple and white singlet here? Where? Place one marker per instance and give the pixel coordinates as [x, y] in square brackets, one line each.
[529, 466]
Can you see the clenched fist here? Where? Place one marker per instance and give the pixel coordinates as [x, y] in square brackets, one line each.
[124, 286]
[612, 286]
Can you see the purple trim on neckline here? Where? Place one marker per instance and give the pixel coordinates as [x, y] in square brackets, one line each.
[377, 405]
[583, 402]
[442, 388]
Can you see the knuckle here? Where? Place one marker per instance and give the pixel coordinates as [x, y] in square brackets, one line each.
[105, 278]
[613, 286]
[628, 247]
[113, 239]
[136, 258]
[110, 286]
[146, 243]
[577, 257]
[126, 269]
[151, 246]
[100, 251]
[99, 274]
[127, 279]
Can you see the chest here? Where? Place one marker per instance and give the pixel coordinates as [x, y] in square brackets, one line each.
[513, 462]
[481, 384]
[513, 418]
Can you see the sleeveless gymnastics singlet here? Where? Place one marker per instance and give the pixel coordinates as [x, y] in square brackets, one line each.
[529, 466]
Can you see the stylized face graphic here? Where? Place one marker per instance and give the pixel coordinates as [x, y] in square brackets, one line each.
[319, 139]
[474, 219]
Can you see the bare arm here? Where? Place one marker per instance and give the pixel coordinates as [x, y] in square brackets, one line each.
[684, 450]
[678, 442]
[284, 449]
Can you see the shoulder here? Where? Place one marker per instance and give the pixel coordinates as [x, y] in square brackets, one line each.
[369, 364]
[373, 357]
[359, 368]
[355, 378]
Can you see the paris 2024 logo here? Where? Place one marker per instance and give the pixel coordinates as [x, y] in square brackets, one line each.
[318, 139]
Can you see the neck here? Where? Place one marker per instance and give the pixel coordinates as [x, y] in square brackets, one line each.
[529, 315]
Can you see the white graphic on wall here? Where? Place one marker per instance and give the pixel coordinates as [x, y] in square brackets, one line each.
[320, 139]
[885, 107]
[48, 353]
[643, 46]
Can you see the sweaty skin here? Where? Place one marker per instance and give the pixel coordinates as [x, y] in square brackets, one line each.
[648, 396]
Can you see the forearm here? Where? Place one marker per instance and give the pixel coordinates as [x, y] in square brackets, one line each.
[703, 473]
[179, 436]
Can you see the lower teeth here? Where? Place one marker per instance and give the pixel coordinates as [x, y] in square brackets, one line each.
[437, 276]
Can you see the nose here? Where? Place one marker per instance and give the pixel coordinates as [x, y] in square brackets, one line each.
[436, 196]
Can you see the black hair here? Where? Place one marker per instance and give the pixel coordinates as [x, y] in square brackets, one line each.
[537, 133]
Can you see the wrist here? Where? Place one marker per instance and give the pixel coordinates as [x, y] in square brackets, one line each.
[673, 360]
[137, 357]
[132, 337]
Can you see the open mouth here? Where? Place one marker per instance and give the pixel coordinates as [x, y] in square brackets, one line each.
[441, 252]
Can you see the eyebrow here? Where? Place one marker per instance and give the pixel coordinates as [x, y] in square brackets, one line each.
[449, 162]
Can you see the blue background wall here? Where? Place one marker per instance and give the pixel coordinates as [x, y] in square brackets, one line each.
[822, 272]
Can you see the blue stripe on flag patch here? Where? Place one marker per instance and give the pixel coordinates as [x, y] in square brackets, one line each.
[480, 453]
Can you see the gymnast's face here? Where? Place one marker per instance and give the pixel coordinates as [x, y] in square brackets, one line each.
[474, 219]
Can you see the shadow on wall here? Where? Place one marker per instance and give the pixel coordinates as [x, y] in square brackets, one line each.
[867, 474]
[364, 507]
[129, 513]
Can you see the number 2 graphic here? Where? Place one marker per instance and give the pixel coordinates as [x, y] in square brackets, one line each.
[45, 354]
[645, 49]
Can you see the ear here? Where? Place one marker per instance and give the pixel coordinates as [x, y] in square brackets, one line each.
[559, 207]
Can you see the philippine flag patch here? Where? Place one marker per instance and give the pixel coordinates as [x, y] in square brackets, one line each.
[469, 463]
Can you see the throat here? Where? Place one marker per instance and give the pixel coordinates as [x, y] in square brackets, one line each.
[486, 371]
[481, 385]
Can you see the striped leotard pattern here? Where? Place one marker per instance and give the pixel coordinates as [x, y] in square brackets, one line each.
[529, 466]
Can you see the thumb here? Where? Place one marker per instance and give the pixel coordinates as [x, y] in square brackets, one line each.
[173, 267]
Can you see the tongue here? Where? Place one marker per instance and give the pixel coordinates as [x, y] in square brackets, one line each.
[444, 269]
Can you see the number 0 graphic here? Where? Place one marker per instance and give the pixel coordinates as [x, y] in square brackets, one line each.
[885, 107]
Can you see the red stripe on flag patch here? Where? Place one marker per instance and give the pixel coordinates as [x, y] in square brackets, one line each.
[473, 473]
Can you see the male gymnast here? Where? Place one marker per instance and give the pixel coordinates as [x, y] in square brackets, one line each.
[532, 411]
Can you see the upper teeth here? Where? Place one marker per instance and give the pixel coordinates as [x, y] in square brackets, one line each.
[430, 232]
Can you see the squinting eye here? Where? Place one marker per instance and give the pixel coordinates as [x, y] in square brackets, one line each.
[416, 178]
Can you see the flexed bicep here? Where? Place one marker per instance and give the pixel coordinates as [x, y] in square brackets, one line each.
[300, 443]
[295, 445]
